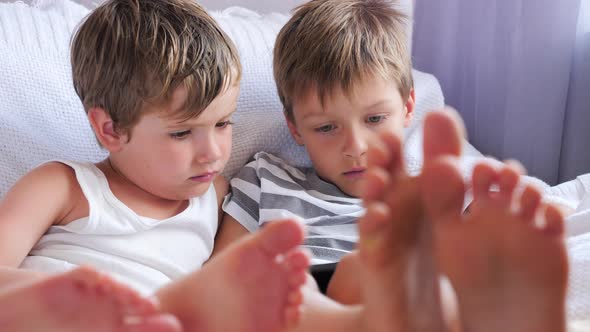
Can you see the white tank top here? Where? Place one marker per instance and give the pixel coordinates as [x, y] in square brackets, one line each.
[143, 252]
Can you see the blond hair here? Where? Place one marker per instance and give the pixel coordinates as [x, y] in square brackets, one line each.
[335, 43]
[130, 52]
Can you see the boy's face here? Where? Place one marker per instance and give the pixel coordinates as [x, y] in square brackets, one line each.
[337, 134]
[175, 159]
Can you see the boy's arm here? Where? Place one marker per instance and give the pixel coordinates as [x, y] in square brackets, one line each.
[41, 198]
[221, 188]
[229, 231]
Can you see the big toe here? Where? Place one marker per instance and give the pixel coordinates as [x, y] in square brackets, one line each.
[279, 237]
[443, 190]
[443, 134]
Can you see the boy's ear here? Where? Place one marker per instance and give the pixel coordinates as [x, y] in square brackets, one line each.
[409, 108]
[104, 129]
[293, 130]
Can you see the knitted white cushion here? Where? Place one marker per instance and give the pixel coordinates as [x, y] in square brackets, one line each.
[41, 117]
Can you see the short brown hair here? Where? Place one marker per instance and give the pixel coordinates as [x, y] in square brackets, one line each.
[130, 52]
[331, 43]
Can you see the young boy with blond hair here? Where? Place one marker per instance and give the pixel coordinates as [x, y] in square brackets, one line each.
[159, 81]
[343, 73]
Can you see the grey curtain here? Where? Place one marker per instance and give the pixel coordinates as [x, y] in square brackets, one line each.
[518, 71]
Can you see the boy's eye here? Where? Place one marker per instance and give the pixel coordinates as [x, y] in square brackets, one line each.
[375, 119]
[325, 129]
[223, 124]
[180, 134]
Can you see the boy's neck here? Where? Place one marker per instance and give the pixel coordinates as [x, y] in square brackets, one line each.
[142, 202]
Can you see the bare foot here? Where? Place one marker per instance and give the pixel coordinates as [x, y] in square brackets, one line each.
[80, 300]
[509, 273]
[253, 286]
[399, 278]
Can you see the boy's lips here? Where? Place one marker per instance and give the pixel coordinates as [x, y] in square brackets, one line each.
[355, 172]
[205, 177]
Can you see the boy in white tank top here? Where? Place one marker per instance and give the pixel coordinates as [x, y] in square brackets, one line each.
[159, 82]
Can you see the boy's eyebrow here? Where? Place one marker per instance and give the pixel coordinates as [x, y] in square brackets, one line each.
[378, 104]
[313, 115]
[182, 123]
[229, 114]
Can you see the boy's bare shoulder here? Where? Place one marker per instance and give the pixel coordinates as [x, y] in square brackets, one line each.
[56, 174]
[40, 199]
[54, 183]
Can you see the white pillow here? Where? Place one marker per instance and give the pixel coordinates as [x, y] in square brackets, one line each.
[41, 117]
[259, 122]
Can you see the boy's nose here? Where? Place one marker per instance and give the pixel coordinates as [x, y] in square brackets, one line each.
[208, 149]
[355, 143]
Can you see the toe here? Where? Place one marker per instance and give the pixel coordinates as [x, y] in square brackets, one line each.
[297, 261]
[373, 230]
[292, 316]
[508, 179]
[484, 175]
[278, 237]
[377, 181]
[379, 154]
[443, 190]
[374, 219]
[554, 220]
[530, 201]
[393, 144]
[443, 134]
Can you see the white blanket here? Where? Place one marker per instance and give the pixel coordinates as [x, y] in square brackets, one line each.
[576, 194]
[579, 280]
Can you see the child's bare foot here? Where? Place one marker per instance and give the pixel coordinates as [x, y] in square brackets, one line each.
[509, 273]
[253, 286]
[80, 300]
[399, 278]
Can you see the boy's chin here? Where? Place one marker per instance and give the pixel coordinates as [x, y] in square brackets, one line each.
[190, 192]
[355, 190]
[200, 190]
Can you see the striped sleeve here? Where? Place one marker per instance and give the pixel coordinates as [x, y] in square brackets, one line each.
[269, 189]
[243, 201]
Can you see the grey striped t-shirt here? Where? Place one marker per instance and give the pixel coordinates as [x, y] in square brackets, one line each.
[268, 189]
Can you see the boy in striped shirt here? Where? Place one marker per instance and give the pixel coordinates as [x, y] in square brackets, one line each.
[337, 97]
